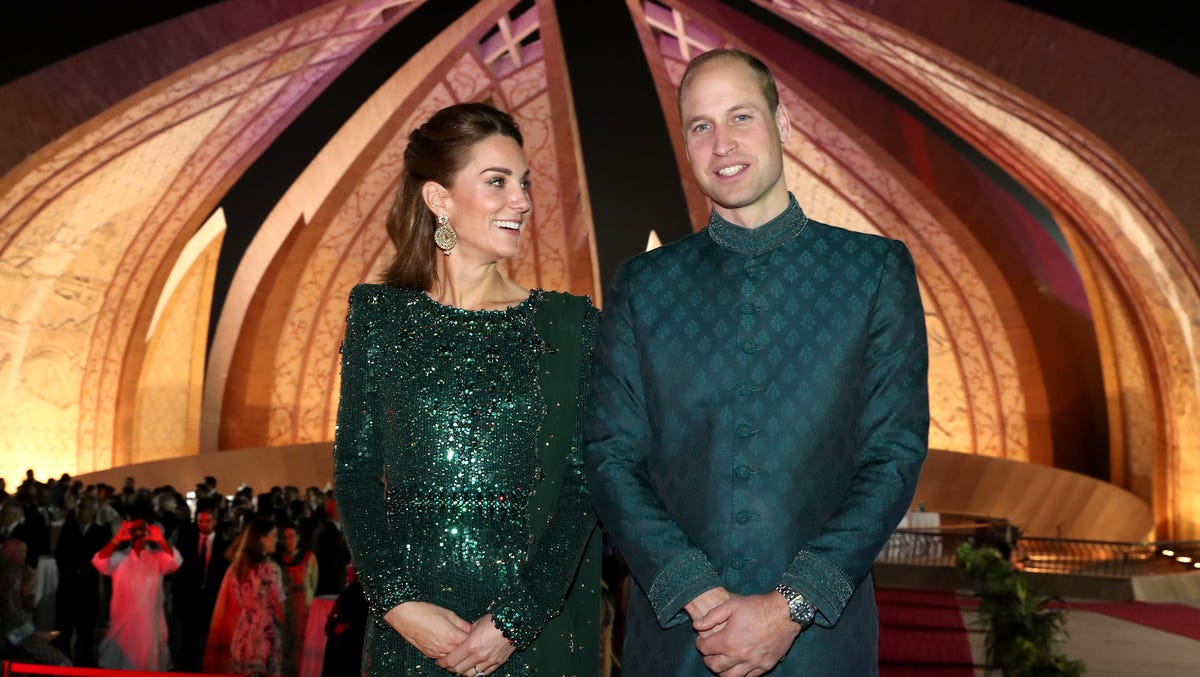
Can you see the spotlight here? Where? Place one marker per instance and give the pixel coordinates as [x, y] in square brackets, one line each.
[1168, 553]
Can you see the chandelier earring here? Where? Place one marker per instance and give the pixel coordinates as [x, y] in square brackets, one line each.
[444, 236]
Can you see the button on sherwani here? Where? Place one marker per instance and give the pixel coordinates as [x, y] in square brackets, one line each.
[759, 415]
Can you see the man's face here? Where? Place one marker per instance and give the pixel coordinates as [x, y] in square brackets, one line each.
[138, 530]
[204, 522]
[734, 142]
[87, 511]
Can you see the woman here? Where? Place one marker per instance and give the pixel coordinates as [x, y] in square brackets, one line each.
[300, 578]
[257, 644]
[225, 615]
[217, 656]
[457, 461]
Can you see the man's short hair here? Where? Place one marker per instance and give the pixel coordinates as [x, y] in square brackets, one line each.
[206, 504]
[12, 509]
[766, 81]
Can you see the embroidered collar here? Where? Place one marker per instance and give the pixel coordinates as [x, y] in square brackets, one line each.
[758, 241]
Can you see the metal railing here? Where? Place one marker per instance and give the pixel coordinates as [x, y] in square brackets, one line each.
[938, 546]
[1109, 559]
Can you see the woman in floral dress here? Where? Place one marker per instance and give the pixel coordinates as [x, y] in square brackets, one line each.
[257, 646]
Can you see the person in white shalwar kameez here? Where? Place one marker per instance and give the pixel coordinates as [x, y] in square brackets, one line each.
[137, 558]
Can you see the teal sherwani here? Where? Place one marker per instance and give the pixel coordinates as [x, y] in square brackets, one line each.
[759, 415]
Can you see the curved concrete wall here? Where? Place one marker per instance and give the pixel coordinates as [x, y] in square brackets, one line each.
[1041, 500]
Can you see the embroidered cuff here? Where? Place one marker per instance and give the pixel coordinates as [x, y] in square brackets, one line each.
[678, 583]
[520, 617]
[383, 596]
[824, 584]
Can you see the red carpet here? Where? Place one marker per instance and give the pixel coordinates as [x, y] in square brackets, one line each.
[1180, 619]
[921, 632]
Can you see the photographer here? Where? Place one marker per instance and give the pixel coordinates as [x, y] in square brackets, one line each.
[137, 558]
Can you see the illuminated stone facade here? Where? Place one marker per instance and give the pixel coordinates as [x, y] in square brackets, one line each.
[107, 270]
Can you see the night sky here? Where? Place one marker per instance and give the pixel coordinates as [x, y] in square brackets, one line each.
[36, 34]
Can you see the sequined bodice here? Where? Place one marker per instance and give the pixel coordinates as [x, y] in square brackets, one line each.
[460, 389]
[458, 474]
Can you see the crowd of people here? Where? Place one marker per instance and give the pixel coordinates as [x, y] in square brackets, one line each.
[151, 579]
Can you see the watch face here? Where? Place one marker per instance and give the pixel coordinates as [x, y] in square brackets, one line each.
[802, 611]
[805, 614]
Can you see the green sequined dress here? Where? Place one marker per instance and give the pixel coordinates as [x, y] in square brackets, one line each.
[458, 474]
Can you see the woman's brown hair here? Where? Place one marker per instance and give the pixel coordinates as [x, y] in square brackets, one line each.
[437, 151]
[253, 551]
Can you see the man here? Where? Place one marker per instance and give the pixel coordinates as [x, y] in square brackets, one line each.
[137, 558]
[19, 640]
[166, 503]
[20, 520]
[195, 586]
[106, 512]
[345, 631]
[333, 555]
[58, 493]
[759, 411]
[78, 598]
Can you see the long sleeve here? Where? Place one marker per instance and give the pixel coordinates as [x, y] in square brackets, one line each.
[311, 574]
[893, 429]
[669, 566]
[543, 582]
[359, 468]
[107, 565]
[168, 561]
[277, 592]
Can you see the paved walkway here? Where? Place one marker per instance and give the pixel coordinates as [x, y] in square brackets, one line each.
[1110, 647]
[1107, 645]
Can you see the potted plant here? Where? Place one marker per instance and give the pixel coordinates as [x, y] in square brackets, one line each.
[1024, 628]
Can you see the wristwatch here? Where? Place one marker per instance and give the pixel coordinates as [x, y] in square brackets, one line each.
[800, 610]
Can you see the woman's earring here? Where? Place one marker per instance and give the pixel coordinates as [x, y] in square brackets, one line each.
[444, 236]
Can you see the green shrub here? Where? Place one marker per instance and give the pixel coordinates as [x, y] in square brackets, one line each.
[1024, 631]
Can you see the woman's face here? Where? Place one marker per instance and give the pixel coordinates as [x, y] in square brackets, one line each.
[269, 541]
[488, 204]
[290, 540]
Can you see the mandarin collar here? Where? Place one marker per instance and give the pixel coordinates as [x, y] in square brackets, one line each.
[758, 241]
